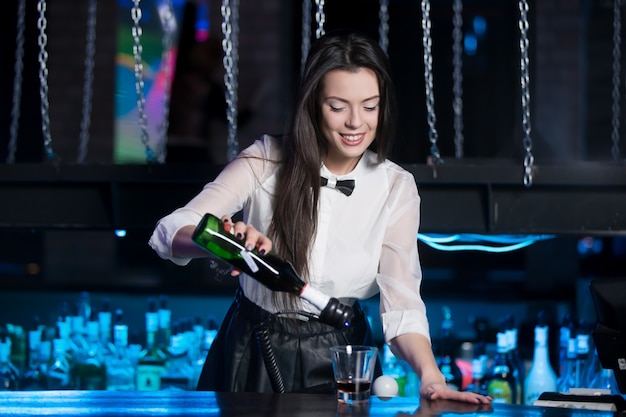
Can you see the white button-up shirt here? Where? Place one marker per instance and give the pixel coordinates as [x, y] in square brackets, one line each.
[365, 243]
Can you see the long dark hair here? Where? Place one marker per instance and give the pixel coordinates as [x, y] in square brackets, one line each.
[295, 213]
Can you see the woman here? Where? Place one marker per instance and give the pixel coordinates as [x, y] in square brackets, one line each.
[350, 244]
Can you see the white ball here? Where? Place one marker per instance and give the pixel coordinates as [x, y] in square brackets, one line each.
[385, 386]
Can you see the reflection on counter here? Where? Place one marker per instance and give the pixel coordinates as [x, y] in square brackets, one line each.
[210, 404]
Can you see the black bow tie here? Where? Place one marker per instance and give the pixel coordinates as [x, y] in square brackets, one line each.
[345, 186]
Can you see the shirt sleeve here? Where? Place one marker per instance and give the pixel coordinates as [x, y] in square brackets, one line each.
[402, 308]
[225, 195]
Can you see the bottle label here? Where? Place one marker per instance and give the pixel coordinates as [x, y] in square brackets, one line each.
[500, 391]
[249, 261]
[149, 377]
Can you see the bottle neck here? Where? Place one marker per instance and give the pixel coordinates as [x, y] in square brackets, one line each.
[314, 296]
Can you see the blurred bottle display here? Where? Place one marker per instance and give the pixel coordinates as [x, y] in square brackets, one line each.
[104, 353]
[541, 377]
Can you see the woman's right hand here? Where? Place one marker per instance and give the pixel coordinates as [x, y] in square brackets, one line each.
[253, 239]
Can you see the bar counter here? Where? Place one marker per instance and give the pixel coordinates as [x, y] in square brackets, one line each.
[206, 404]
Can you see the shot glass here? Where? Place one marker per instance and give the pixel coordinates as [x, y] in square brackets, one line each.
[353, 367]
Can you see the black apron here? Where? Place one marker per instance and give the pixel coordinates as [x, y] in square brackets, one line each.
[300, 356]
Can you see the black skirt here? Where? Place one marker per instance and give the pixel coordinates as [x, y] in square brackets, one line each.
[298, 359]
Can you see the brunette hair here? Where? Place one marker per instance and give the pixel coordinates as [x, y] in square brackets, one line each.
[294, 220]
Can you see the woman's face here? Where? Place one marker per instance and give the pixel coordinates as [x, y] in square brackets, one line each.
[350, 106]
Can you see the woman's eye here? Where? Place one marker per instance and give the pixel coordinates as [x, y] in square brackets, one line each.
[334, 108]
[371, 108]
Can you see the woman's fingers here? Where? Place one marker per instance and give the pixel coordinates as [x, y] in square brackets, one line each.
[253, 239]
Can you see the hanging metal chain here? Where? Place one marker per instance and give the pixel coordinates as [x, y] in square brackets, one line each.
[428, 78]
[230, 44]
[135, 13]
[525, 85]
[457, 77]
[90, 51]
[42, 23]
[168, 23]
[383, 26]
[320, 18]
[17, 81]
[617, 56]
[306, 32]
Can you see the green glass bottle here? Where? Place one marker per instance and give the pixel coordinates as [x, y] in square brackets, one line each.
[499, 379]
[271, 271]
[152, 360]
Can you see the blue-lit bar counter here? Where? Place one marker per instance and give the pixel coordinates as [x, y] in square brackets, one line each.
[206, 404]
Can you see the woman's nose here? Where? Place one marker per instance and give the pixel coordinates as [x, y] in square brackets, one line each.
[354, 119]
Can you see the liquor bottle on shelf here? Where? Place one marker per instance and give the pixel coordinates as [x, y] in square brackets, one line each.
[165, 322]
[77, 342]
[208, 336]
[135, 348]
[178, 375]
[593, 366]
[33, 378]
[519, 369]
[19, 347]
[481, 327]
[582, 357]
[478, 373]
[90, 369]
[58, 371]
[120, 369]
[605, 381]
[45, 355]
[567, 380]
[152, 360]
[273, 272]
[105, 319]
[499, 380]
[447, 352]
[83, 306]
[9, 374]
[195, 349]
[565, 331]
[541, 377]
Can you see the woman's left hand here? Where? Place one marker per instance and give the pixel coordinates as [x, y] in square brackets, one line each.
[439, 391]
